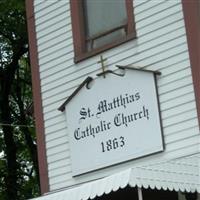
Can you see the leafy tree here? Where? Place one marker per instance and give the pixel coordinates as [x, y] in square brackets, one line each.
[18, 157]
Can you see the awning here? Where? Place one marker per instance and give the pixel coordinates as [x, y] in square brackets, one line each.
[178, 175]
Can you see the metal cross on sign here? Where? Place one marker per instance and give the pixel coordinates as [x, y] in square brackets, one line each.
[102, 60]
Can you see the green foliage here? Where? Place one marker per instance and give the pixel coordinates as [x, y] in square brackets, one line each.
[15, 98]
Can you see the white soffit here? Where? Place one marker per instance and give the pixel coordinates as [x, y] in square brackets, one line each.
[178, 175]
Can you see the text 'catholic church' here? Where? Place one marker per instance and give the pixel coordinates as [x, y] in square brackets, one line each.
[116, 86]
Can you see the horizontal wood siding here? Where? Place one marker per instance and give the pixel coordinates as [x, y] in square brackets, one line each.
[160, 45]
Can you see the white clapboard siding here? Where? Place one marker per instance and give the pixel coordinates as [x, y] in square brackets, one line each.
[51, 115]
[176, 93]
[58, 148]
[49, 7]
[174, 102]
[52, 137]
[42, 5]
[54, 17]
[139, 3]
[179, 118]
[146, 6]
[64, 35]
[57, 142]
[55, 120]
[161, 23]
[55, 128]
[149, 37]
[59, 171]
[178, 110]
[161, 44]
[167, 11]
[172, 138]
[157, 8]
[59, 163]
[61, 7]
[58, 156]
[142, 51]
[180, 126]
[139, 57]
[44, 36]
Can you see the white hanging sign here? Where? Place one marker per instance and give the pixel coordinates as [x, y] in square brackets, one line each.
[114, 121]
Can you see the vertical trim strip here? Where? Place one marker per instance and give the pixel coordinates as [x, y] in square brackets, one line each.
[140, 196]
[131, 17]
[191, 10]
[78, 28]
[42, 159]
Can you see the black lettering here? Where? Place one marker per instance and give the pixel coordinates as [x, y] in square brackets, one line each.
[122, 143]
[109, 145]
[110, 106]
[135, 116]
[137, 96]
[89, 112]
[83, 114]
[109, 125]
[115, 143]
[103, 148]
[102, 107]
[77, 135]
[140, 114]
[127, 98]
[117, 121]
[97, 129]
[124, 120]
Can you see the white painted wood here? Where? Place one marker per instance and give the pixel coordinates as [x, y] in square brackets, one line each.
[176, 93]
[139, 57]
[58, 149]
[38, 2]
[41, 5]
[155, 59]
[145, 6]
[52, 50]
[53, 11]
[139, 3]
[44, 35]
[55, 128]
[181, 135]
[160, 45]
[183, 143]
[174, 76]
[156, 8]
[60, 52]
[60, 178]
[180, 126]
[59, 171]
[161, 23]
[177, 101]
[56, 142]
[63, 59]
[54, 41]
[55, 165]
[140, 197]
[160, 15]
[53, 21]
[178, 110]
[180, 118]
[165, 89]
[58, 156]
[59, 134]
[54, 120]
[153, 34]
[64, 93]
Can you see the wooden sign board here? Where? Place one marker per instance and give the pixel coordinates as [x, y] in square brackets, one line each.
[115, 120]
